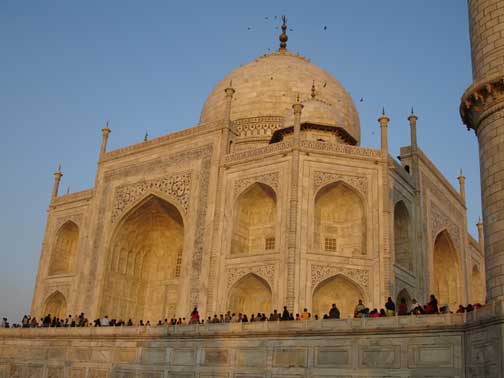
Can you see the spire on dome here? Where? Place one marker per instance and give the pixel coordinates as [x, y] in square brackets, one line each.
[313, 92]
[283, 37]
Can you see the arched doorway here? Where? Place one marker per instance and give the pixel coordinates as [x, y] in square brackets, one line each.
[56, 305]
[403, 294]
[339, 290]
[402, 237]
[339, 221]
[65, 249]
[255, 221]
[145, 263]
[250, 295]
[477, 288]
[446, 271]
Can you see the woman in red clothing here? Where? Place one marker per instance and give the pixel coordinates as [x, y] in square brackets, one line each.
[403, 308]
[194, 316]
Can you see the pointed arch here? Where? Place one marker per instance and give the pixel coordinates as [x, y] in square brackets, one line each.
[249, 295]
[255, 224]
[145, 254]
[64, 250]
[402, 236]
[403, 294]
[477, 286]
[340, 220]
[338, 289]
[56, 305]
[447, 276]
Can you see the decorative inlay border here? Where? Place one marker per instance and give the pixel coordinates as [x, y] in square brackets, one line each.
[340, 148]
[270, 179]
[322, 178]
[266, 272]
[176, 186]
[257, 126]
[261, 151]
[321, 272]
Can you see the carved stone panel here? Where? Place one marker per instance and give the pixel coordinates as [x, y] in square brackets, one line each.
[321, 272]
[440, 221]
[177, 187]
[270, 179]
[266, 272]
[322, 178]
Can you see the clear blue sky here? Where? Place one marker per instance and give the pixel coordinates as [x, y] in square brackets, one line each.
[66, 67]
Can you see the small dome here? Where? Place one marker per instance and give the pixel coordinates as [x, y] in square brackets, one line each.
[269, 85]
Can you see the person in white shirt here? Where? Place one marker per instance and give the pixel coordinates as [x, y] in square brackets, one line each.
[105, 321]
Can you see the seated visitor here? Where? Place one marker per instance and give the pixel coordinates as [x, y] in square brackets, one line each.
[305, 314]
[194, 316]
[298, 317]
[444, 309]
[469, 308]
[460, 309]
[105, 321]
[334, 312]
[374, 313]
[382, 313]
[415, 307]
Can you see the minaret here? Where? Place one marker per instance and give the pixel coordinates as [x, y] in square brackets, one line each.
[57, 179]
[481, 239]
[412, 122]
[461, 179]
[482, 110]
[228, 131]
[384, 121]
[105, 135]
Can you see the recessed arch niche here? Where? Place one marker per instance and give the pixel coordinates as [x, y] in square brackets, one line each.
[447, 275]
[477, 292]
[56, 305]
[255, 221]
[402, 236]
[65, 249]
[339, 290]
[403, 294]
[144, 263]
[250, 295]
[340, 221]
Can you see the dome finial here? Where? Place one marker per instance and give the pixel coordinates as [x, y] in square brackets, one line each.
[283, 37]
[313, 93]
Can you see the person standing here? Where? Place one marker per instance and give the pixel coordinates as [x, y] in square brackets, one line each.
[390, 307]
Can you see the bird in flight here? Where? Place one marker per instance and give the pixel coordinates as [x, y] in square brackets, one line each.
[249, 28]
[325, 27]
[362, 99]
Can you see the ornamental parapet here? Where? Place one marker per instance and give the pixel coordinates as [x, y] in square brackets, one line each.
[83, 195]
[482, 99]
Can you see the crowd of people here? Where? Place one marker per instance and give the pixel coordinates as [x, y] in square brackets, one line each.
[360, 311]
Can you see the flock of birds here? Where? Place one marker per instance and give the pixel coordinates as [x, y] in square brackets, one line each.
[267, 18]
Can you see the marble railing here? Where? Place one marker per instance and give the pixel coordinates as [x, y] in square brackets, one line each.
[387, 324]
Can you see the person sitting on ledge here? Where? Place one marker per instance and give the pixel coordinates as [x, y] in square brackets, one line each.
[469, 308]
[358, 309]
[460, 309]
[415, 307]
[334, 312]
[403, 308]
[382, 313]
[305, 315]
[374, 313]
[445, 310]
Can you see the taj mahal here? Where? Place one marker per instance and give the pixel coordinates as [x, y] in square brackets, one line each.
[272, 201]
[269, 201]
